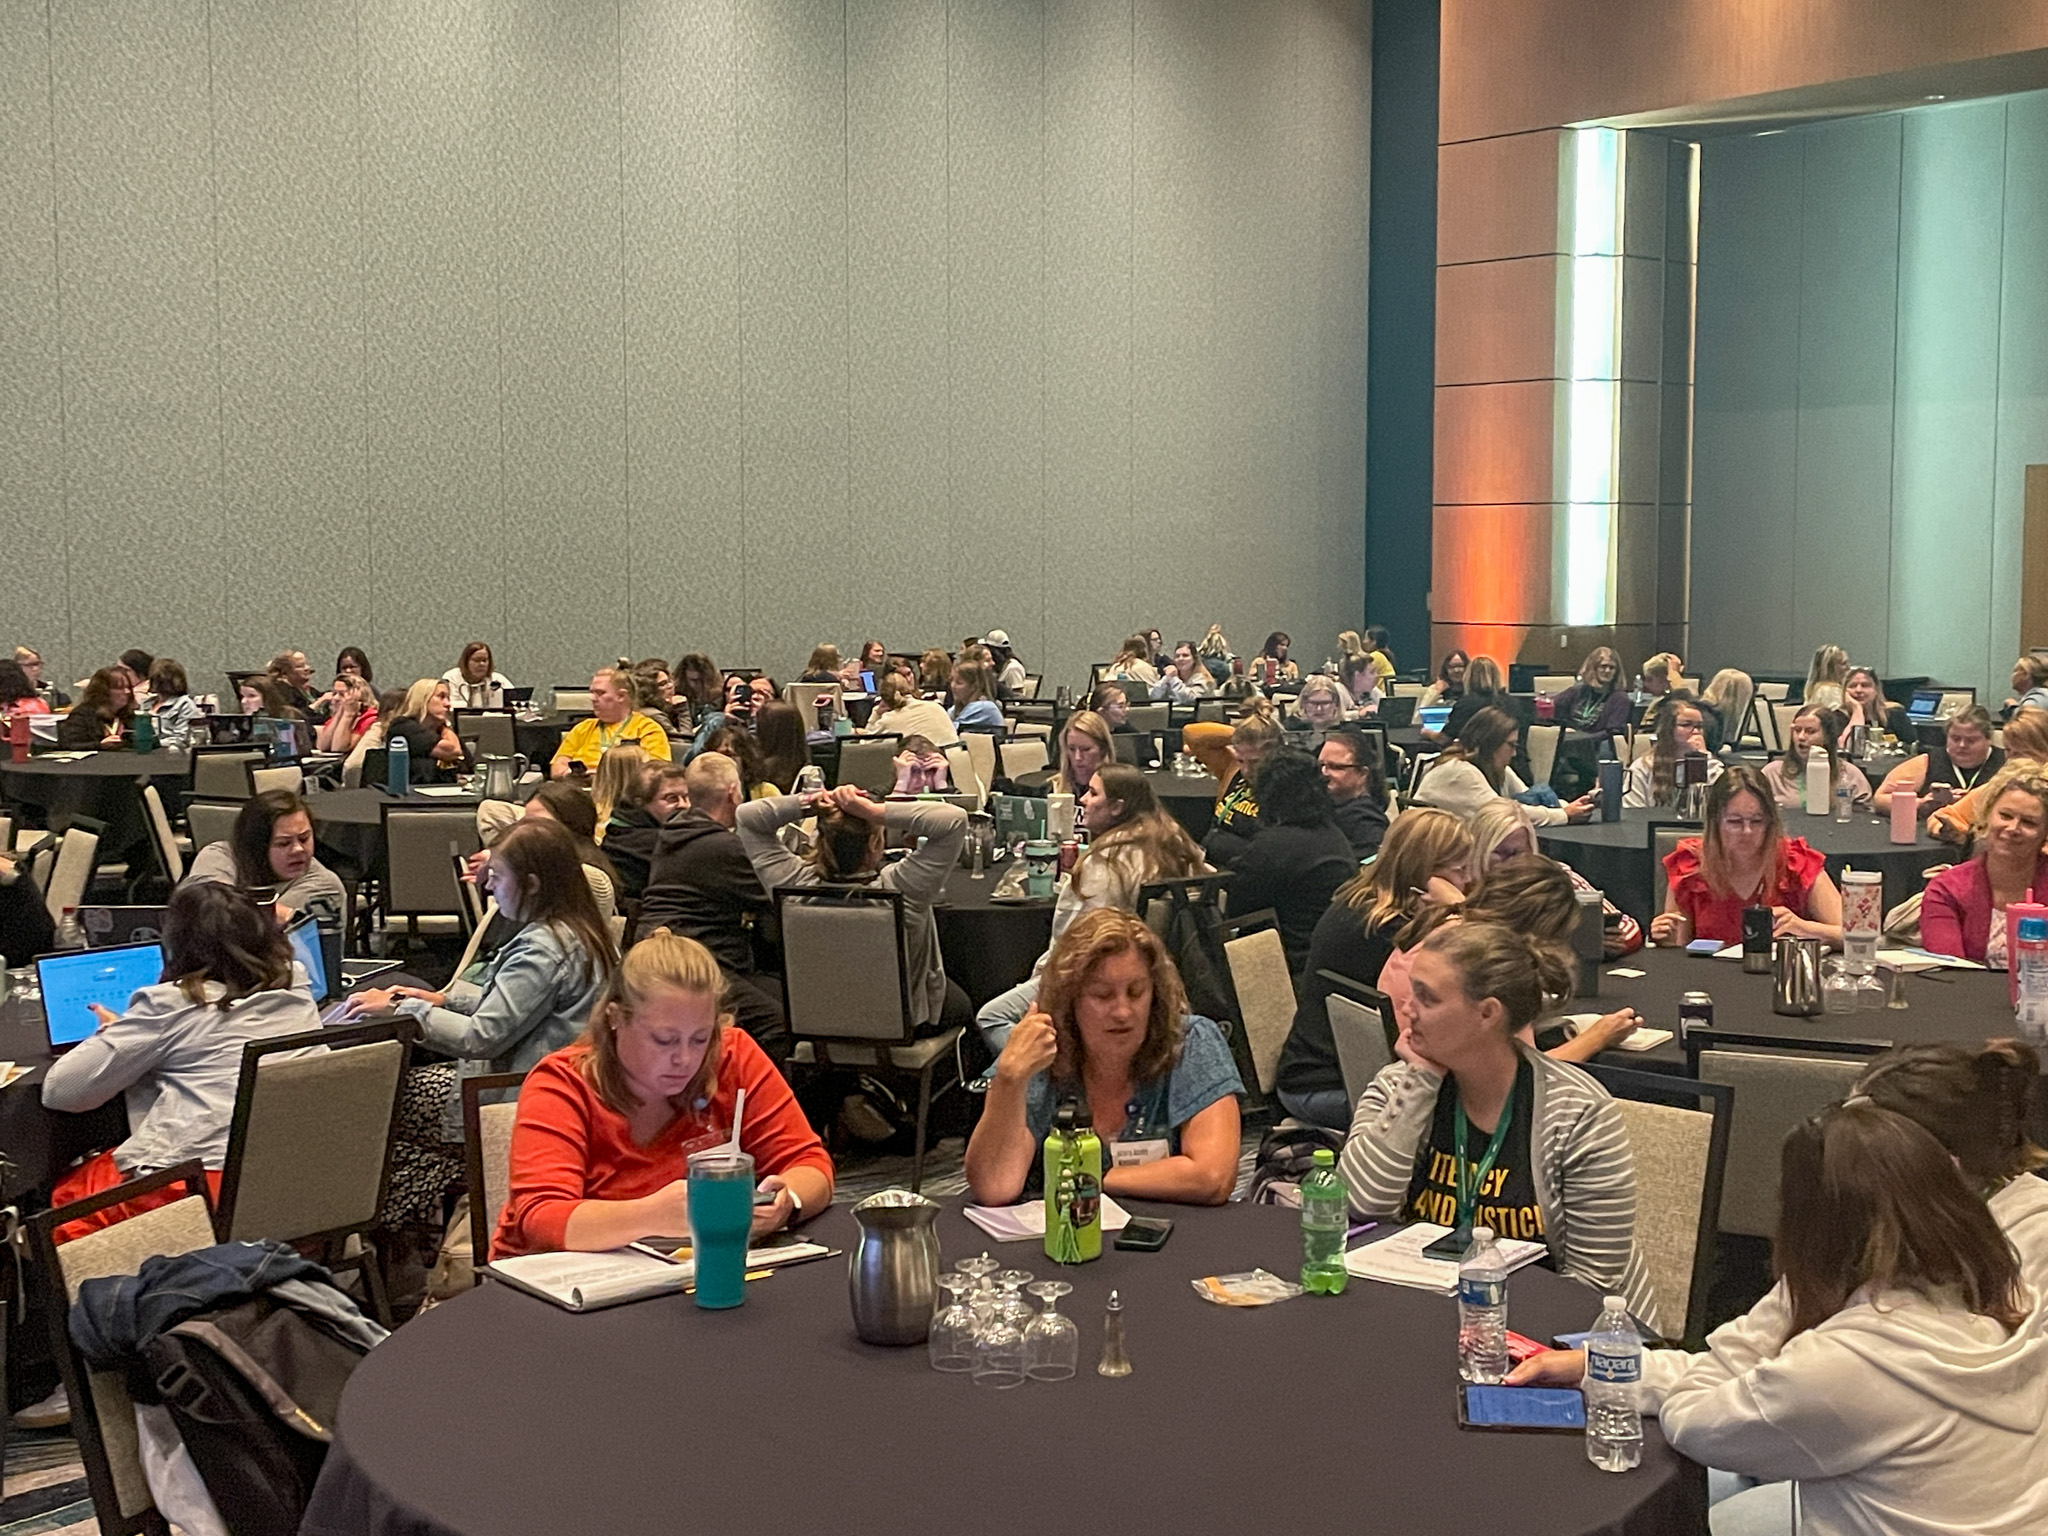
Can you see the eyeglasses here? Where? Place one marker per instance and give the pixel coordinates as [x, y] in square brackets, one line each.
[1743, 823]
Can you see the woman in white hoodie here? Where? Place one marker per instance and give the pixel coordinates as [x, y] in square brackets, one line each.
[1473, 772]
[1897, 1376]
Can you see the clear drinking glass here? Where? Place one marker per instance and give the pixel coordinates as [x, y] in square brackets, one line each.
[1010, 1300]
[1052, 1344]
[1837, 986]
[952, 1336]
[22, 983]
[998, 1350]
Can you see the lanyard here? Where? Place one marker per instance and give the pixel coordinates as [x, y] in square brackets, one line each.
[1469, 1180]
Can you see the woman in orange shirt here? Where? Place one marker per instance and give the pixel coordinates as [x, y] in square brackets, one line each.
[601, 1147]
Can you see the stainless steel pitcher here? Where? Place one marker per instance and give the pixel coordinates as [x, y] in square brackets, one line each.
[893, 1277]
[1795, 977]
[502, 775]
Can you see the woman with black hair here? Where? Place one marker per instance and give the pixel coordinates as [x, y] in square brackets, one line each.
[1298, 856]
[269, 854]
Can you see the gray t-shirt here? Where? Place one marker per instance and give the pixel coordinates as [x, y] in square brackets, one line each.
[318, 891]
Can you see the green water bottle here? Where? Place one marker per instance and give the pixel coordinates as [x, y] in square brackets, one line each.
[1073, 1188]
[1324, 1211]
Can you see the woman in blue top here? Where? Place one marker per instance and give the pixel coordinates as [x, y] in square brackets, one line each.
[1111, 1029]
[974, 700]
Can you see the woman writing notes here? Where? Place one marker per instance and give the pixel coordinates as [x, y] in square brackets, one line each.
[1745, 859]
[602, 1143]
[1111, 1030]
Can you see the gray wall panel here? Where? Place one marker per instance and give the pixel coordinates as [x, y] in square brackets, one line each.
[291, 325]
[2022, 403]
[31, 393]
[142, 380]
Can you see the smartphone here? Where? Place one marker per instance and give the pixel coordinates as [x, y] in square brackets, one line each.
[1145, 1234]
[1705, 947]
[1543, 1410]
[1453, 1245]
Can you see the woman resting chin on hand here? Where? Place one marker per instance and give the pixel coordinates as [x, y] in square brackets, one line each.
[1111, 1028]
[601, 1146]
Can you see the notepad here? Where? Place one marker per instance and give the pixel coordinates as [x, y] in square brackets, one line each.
[1924, 960]
[1014, 1223]
[1398, 1260]
[584, 1282]
[444, 791]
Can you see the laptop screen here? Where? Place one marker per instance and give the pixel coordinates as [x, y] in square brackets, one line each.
[306, 949]
[74, 981]
[1434, 718]
[1926, 703]
[867, 682]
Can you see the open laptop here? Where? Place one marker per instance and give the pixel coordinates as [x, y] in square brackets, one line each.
[1397, 710]
[112, 927]
[1434, 717]
[1926, 706]
[515, 697]
[73, 980]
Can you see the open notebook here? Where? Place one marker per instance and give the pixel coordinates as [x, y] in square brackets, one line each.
[584, 1282]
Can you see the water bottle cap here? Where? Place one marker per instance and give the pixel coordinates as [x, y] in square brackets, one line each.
[2033, 930]
[1324, 1158]
[1481, 1235]
[1615, 1303]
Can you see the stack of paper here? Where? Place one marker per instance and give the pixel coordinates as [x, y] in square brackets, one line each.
[1910, 960]
[1398, 1259]
[1014, 1223]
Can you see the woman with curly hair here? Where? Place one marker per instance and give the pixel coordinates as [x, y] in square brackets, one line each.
[1111, 1030]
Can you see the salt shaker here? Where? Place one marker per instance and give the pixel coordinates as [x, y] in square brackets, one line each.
[1114, 1361]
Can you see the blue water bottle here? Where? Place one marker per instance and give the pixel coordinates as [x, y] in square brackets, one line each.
[397, 766]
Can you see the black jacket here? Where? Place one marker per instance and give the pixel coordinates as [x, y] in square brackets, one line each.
[1342, 944]
[1363, 824]
[630, 841]
[702, 885]
[1295, 871]
[25, 927]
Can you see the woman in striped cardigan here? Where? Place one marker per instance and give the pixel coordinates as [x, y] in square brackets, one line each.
[1474, 1127]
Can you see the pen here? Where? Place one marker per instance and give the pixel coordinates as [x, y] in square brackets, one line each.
[1363, 1226]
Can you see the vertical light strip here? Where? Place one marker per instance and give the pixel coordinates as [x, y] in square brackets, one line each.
[1592, 394]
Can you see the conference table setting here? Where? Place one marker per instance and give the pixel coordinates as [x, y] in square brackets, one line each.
[1616, 855]
[105, 786]
[39, 1143]
[499, 1414]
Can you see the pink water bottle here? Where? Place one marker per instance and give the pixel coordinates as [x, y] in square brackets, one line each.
[1905, 818]
[2013, 914]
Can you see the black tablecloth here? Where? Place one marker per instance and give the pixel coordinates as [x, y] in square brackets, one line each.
[500, 1414]
[989, 946]
[349, 823]
[1946, 1005]
[106, 786]
[1615, 855]
[1190, 798]
[42, 1143]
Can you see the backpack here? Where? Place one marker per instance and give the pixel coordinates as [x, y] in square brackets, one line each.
[253, 1389]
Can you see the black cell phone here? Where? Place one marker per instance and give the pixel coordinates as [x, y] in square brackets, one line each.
[1453, 1245]
[1145, 1234]
[1539, 1410]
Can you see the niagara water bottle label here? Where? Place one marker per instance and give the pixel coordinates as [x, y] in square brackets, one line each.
[1624, 1369]
[1475, 1292]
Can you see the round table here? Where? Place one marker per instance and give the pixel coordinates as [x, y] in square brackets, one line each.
[498, 1413]
[42, 1143]
[1615, 855]
[1190, 798]
[989, 946]
[349, 823]
[106, 786]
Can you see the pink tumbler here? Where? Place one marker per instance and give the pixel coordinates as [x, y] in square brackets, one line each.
[1905, 818]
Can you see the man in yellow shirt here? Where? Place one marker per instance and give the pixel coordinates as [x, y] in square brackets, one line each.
[613, 720]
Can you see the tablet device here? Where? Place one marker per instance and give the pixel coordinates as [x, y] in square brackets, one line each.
[76, 979]
[304, 935]
[1541, 1410]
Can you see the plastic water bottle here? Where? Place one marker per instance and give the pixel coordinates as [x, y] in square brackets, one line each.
[2030, 964]
[1324, 1211]
[1482, 1311]
[398, 766]
[1845, 803]
[1614, 1375]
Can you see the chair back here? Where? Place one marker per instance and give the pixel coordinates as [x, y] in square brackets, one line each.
[572, 699]
[1373, 1006]
[6, 834]
[221, 773]
[1665, 836]
[1640, 745]
[1265, 990]
[160, 834]
[843, 963]
[39, 859]
[1781, 725]
[1678, 1132]
[419, 871]
[805, 697]
[102, 1412]
[981, 750]
[487, 1155]
[1149, 719]
[1774, 691]
[1542, 747]
[1362, 1052]
[1553, 682]
[1025, 755]
[1407, 690]
[1778, 1081]
[486, 732]
[211, 821]
[288, 776]
[71, 875]
[309, 1148]
[869, 762]
[1033, 681]
[961, 771]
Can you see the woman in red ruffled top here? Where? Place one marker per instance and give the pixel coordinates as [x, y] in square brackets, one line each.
[1744, 860]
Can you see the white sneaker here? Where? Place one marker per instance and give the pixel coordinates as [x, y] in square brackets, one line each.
[53, 1412]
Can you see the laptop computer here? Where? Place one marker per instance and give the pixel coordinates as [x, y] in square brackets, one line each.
[111, 927]
[867, 682]
[73, 980]
[514, 697]
[1397, 710]
[1926, 706]
[1434, 718]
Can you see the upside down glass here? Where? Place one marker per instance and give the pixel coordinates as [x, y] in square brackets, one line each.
[721, 1221]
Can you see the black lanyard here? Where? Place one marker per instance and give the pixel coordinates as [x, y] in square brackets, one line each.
[1469, 1181]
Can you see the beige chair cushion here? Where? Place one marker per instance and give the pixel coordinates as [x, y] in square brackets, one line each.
[313, 1158]
[1670, 1146]
[1773, 1093]
[1265, 996]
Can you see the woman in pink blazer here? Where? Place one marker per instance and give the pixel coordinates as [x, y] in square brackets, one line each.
[1963, 911]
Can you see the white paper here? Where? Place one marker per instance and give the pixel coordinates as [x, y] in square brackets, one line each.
[1624, 970]
[581, 1281]
[443, 791]
[1924, 960]
[1014, 1223]
[1398, 1260]
[1644, 1039]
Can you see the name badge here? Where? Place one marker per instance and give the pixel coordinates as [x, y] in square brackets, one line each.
[1135, 1154]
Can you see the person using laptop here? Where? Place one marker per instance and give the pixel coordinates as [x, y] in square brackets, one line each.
[176, 1049]
[269, 855]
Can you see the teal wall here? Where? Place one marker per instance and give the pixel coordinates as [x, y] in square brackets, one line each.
[1872, 381]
